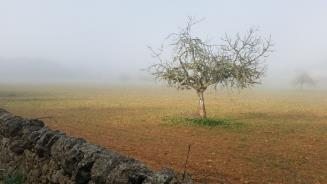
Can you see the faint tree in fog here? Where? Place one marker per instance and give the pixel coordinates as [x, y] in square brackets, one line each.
[197, 64]
[304, 79]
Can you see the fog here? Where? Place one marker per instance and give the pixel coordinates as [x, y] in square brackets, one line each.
[43, 41]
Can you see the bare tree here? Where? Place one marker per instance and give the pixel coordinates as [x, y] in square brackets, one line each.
[303, 79]
[197, 64]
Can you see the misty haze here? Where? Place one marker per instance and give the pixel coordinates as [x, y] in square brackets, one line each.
[216, 91]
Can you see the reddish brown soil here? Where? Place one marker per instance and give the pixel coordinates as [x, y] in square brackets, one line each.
[218, 155]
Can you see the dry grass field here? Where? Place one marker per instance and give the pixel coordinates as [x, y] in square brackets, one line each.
[262, 137]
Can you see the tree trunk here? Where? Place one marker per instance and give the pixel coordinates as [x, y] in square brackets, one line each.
[202, 108]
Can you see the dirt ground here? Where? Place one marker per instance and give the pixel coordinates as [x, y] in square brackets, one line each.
[271, 137]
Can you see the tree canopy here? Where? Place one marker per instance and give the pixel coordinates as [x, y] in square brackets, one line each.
[197, 64]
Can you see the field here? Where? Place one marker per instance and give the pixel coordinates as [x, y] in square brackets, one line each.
[258, 136]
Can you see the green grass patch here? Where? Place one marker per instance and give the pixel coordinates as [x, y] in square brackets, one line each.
[207, 122]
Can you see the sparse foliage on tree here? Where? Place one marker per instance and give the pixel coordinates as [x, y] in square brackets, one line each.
[304, 79]
[197, 64]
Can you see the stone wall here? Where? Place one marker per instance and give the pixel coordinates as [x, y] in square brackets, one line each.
[42, 155]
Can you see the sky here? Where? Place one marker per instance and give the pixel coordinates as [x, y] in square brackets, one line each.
[107, 41]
